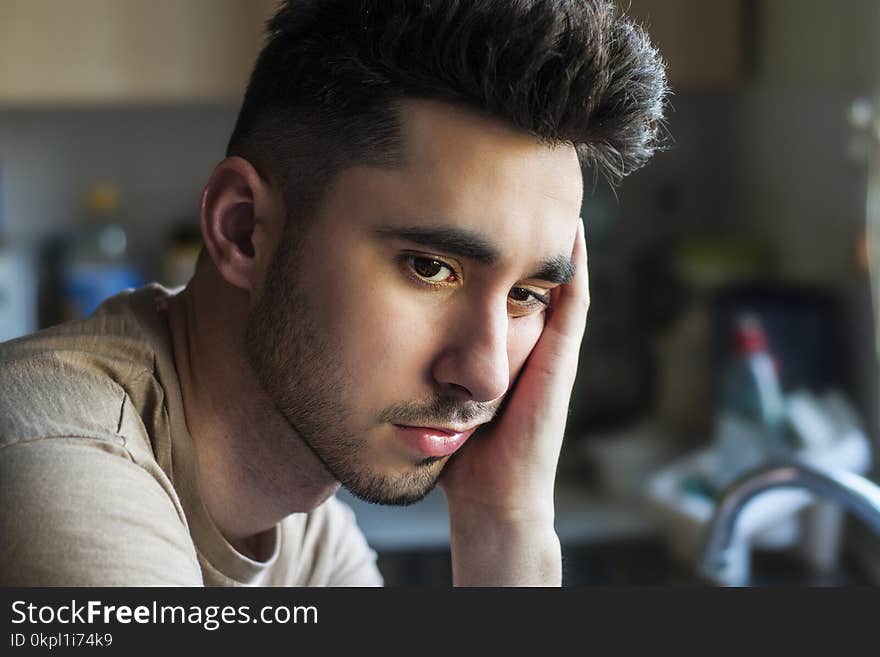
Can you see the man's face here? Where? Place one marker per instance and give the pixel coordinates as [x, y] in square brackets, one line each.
[410, 303]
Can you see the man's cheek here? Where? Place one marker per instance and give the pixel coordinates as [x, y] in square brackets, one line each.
[523, 339]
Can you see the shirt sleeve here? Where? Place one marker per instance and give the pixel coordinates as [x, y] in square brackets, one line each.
[77, 511]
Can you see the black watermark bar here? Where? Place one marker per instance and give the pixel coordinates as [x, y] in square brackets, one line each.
[106, 620]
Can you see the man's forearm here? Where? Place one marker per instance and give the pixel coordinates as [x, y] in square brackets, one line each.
[489, 552]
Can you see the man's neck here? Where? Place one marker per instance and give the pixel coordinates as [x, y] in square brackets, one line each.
[253, 468]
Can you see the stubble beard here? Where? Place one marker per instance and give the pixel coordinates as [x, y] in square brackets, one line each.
[301, 370]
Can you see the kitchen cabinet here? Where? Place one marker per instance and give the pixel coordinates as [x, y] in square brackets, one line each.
[705, 44]
[166, 51]
[820, 44]
[718, 43]
[100, 51]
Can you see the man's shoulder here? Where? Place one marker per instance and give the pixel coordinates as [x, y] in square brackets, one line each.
[55, 394]
[73, 379]
[87, 500]
[59, 392]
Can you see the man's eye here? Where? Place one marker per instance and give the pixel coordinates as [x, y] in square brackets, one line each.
[524, 297]
[432, 271]
[520, 294]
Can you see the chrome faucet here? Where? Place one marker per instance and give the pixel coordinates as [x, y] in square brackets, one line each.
[727, 564]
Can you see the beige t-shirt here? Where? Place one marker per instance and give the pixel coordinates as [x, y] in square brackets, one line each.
[98, 485]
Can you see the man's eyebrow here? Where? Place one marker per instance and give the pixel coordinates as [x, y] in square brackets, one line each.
[454, 241]
[469, 244]
[557, 269]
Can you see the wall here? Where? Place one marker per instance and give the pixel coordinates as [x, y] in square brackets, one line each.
[159, 157]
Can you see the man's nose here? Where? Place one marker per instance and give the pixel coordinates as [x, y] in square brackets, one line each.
[474, 359]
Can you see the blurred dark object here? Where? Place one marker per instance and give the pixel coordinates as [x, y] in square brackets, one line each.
[613, 383]
[663, 295]
[182, 247]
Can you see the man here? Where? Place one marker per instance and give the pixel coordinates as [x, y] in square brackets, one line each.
[391, 295]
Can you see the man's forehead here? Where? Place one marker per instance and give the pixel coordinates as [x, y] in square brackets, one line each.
[433, 129]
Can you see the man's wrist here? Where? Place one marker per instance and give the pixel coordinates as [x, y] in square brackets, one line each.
[470, 513]
[504, 549]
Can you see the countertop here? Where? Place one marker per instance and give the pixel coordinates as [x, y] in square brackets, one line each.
[582, 516]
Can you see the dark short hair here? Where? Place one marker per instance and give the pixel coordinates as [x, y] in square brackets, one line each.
[325, 89]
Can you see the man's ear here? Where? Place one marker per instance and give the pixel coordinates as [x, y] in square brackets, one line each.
[235, 208]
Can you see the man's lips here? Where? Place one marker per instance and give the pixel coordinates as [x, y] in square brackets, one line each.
[433, 441]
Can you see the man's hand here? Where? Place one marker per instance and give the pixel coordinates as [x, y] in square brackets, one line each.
[500, 486]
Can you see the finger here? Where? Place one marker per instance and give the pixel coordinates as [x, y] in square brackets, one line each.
[568, 314]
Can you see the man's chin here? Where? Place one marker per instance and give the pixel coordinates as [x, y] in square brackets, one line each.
[389, 499]
[393, 491]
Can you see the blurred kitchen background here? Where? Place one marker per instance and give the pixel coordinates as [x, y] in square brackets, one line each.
[732, 306]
